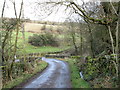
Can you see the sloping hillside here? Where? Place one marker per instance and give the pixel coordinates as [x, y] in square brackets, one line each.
[41, 28]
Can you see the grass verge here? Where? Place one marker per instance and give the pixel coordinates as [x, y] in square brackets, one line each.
[25, 76]
[76, 81]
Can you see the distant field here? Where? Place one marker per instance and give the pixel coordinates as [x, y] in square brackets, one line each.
[37, 28]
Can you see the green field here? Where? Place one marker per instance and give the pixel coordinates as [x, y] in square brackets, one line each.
[25, 47]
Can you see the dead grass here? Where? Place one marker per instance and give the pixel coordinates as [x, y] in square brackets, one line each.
[37, 28]
[102, 82]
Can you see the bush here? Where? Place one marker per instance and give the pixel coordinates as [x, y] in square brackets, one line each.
[43, 27]
[98, 68]
[43, 40]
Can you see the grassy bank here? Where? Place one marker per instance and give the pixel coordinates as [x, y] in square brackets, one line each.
[44, 49]
[33, 49]
[25, 76]
[76, 81]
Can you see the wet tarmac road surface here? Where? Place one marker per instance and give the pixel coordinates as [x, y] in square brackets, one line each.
[56, 75]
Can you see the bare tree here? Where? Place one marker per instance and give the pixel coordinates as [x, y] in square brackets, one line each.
[1, 63]
[8, 47]
[18, 17]
[73, 35]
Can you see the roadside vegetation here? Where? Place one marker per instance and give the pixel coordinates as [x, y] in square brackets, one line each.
[76, 80]
[23, 77]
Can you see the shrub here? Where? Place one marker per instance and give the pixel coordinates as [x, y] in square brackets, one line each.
[43, 27]
[43, 40]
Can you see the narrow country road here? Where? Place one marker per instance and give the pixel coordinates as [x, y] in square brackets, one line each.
[57, 75]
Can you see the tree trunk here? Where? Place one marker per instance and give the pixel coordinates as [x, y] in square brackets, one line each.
[1, 54]
[117, 41]
[91, 40]
[113, 49]
[74, 43]
[81, 43]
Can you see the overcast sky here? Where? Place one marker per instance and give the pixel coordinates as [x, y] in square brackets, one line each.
[29, 10]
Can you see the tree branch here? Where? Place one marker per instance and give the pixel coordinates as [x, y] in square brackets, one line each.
[99, 21]
[3, 8]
